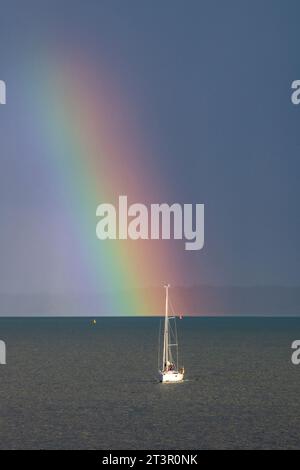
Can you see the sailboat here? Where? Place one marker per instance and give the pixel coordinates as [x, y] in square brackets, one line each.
[169, 371]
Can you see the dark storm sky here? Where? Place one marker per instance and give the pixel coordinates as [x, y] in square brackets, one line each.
[212, 82]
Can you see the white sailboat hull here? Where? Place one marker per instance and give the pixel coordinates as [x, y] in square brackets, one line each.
[171, 376]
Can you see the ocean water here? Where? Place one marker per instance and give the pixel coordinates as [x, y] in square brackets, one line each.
[70, 385]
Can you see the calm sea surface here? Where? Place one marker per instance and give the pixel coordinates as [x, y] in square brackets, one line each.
[71, 385]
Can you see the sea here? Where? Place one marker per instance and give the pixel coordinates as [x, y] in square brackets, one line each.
[72, 384]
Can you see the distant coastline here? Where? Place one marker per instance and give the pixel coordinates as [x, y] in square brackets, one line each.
[196, 300]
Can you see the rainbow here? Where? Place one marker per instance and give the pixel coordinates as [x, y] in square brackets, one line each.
[91, 141]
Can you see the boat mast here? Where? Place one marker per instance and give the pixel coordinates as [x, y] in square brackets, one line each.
[166, 332]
